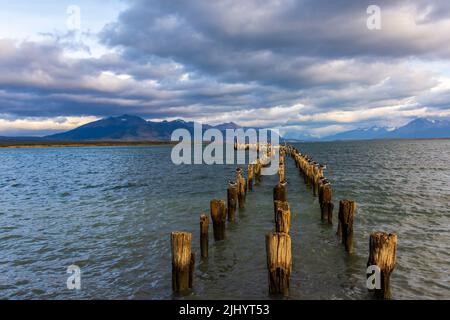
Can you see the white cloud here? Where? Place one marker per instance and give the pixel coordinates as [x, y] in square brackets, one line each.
[308, 65]
[31, 124]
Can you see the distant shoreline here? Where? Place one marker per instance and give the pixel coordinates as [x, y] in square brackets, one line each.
[82, 144]
[363, 140]
[68, 144]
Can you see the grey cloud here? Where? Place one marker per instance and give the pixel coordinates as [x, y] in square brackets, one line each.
[204, 59]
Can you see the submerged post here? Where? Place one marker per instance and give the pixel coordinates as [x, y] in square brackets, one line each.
[279, 262]
[241, 192]
[182, 265]
[232, 199]
[258, 168]
[279, 205]
[204, 235]
[345, 226]
[322, 182]
[315, 179]
[326, 207]
[219, 217]
[382, 253]
[280, 192]
[191, 270]
[281, 173]
[250, 177]
[282, 217]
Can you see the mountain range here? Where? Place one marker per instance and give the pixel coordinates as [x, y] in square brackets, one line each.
[419, 128]
[133, 128]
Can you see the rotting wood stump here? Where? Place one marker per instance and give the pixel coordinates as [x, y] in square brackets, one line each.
[280, 192]
[204, 235]
[191, 270]
[182, 261]
[250, 177]
[315, 180]
[382, 253]
[279, 205]
[219, 217]
[241, 192]
[281, 173]
[279, 262]
[258, 168]
[282, 217]
[326, 207]
[232, 199]
[320, 190]
[345, 226]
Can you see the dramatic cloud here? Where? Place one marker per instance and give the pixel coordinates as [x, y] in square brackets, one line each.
[309, 65]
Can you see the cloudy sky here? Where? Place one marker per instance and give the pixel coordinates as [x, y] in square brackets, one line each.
[310, 66]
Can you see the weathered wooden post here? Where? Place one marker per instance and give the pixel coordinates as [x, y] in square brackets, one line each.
[326, 207]
[280, 192]
[282, 217]
[309, 173]
[204, 235]
[279, 262]
[238, 174]
[258, 168]
[279, 205]
[315, 179]
[305, 166]
[281, 173]
[219, 217]
[191, 270]
[241, 192]
[182, 264]
[382, 253]
[241, 185]
[250, 177]
[345, 226]
[232, 199]
[320, 190]
[245, 185]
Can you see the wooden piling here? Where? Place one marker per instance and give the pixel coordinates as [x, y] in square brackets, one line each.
[326, 207]
[258, 168]
[182, 266]
[218, 216]
[238, 174]
[250, 177]
[382, 253]
[191, 270]
[281, 173]
[279, 262]
[280, 192]
[279, 205]
[204, 235]
[320, 190]
[315, 179]
[345, 226]
[246, 185]
[232, 199]
[282, 217]
[241, 192]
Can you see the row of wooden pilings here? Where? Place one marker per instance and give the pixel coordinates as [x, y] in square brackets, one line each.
[278, 243]
[382, 245]
[382, 248]
[183, 259]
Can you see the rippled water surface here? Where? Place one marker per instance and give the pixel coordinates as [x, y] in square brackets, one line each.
[111, 210]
